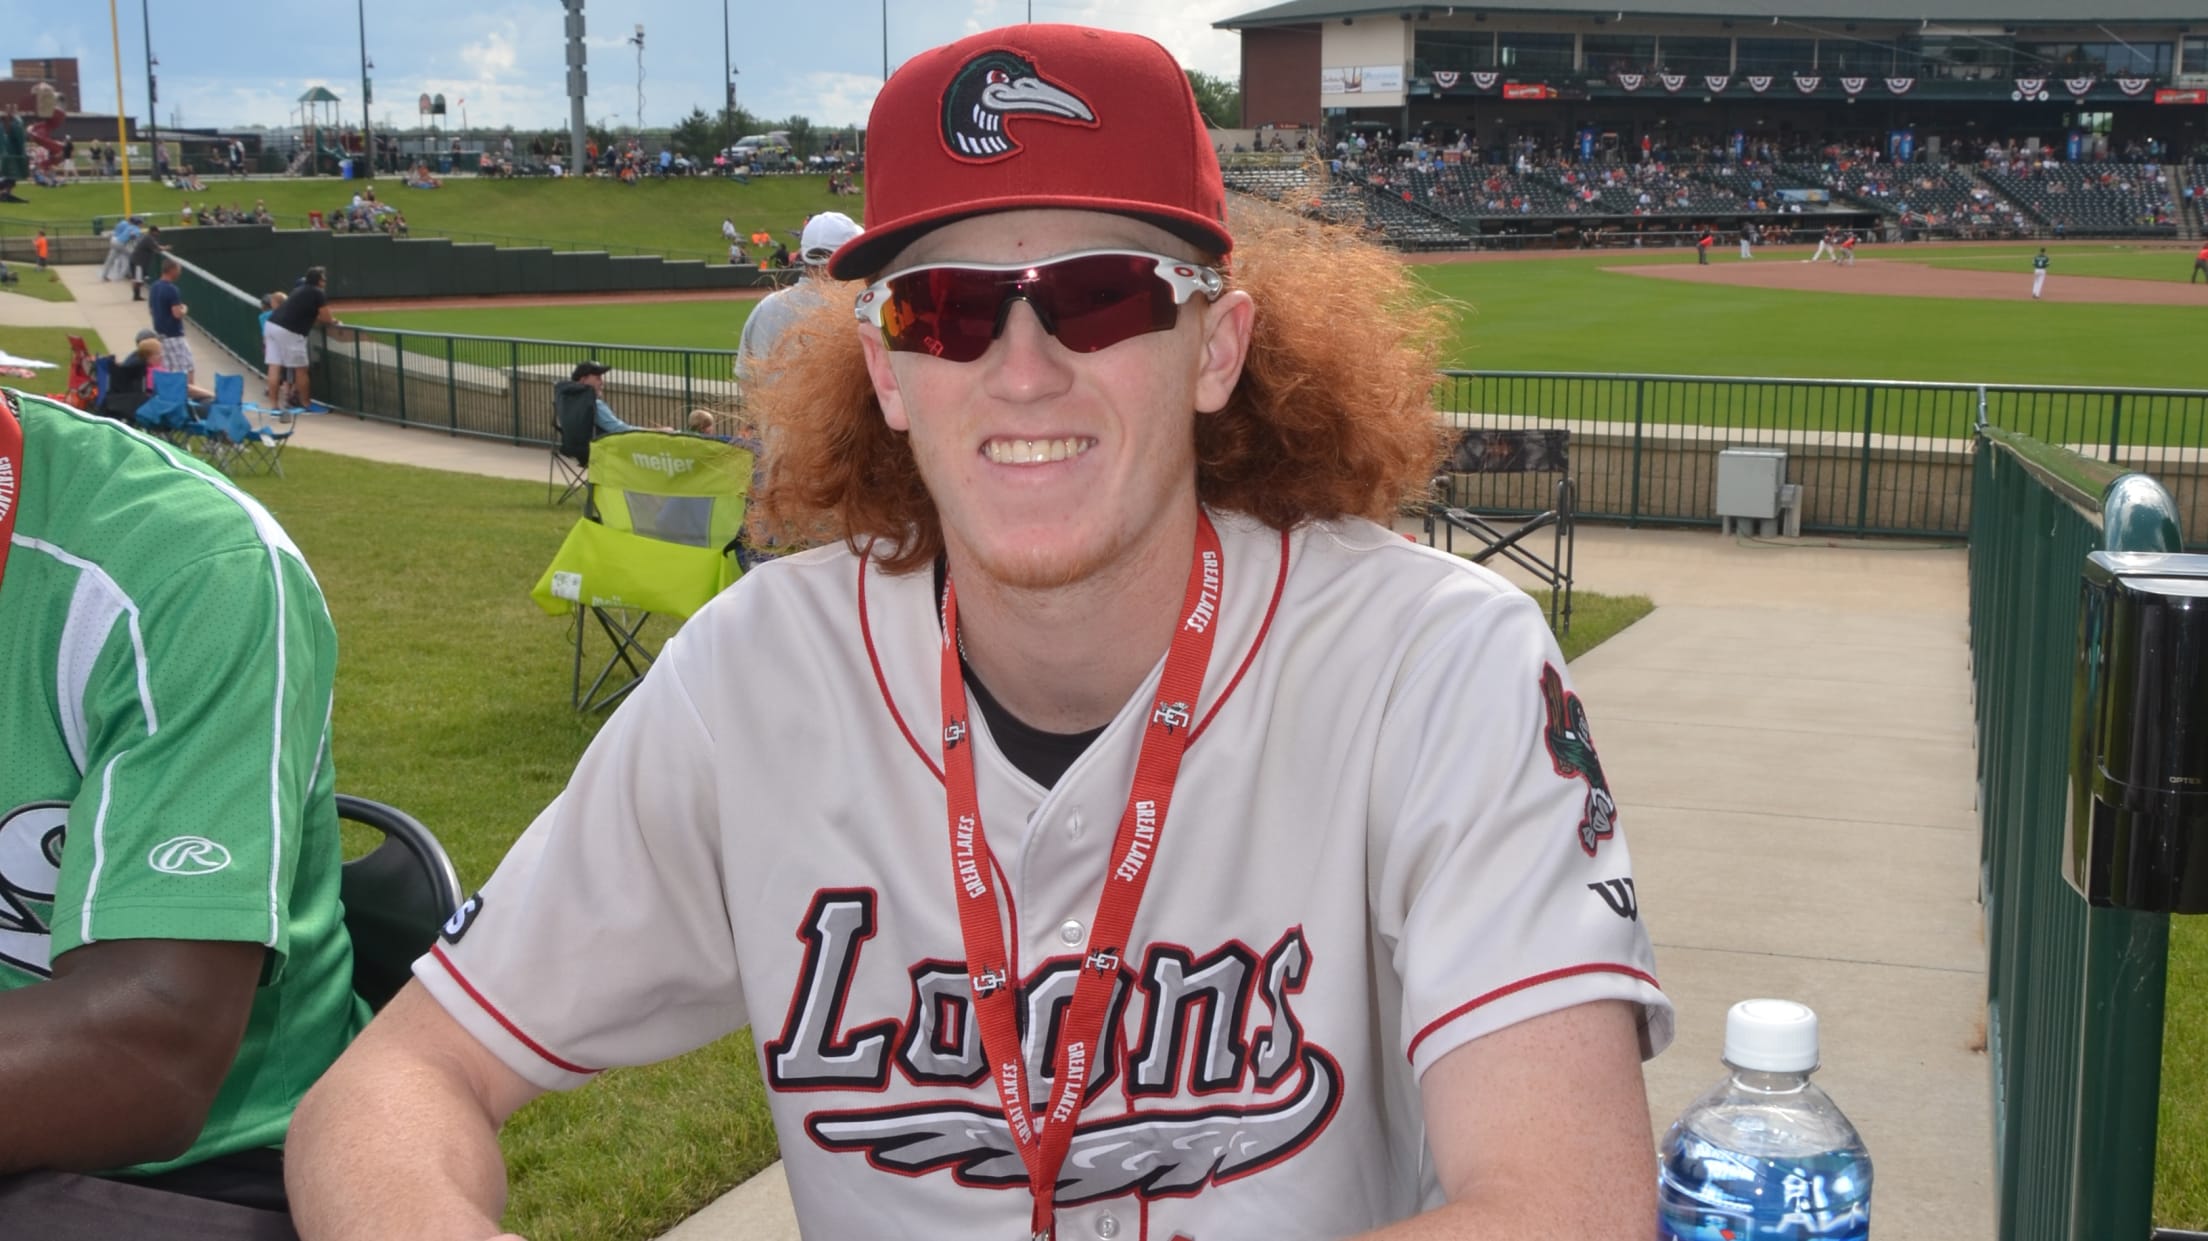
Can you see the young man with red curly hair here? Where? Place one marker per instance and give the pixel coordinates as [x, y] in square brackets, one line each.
[1112, 830]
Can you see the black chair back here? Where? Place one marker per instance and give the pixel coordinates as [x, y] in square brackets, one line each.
[575, 411]
[396, 896]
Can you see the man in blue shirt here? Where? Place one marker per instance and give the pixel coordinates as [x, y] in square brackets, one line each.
[167, 304]
[607, 422]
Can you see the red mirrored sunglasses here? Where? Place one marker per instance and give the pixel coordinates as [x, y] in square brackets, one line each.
[1089, 300]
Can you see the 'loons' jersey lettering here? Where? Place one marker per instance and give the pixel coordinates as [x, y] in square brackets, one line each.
[1215, 1024]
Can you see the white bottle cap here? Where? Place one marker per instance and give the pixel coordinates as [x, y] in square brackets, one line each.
[1771, 1036]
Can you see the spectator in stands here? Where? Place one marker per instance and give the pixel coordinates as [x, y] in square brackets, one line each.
[307, 307]
[191, 977]
[823, 234]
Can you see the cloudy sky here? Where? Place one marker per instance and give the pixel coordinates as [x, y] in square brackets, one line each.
[245, 62]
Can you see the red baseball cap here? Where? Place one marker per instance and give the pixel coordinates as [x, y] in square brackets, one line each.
[1036, 116]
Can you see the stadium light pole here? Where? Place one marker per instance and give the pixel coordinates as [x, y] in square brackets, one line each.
[638, 39]
[728, 81]
[122, 134]
[367, 126]
[885, 40]
[153, 108]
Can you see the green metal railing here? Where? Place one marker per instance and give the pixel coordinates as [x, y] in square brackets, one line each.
[2074, 995]
[489, 386]
[1872, 457]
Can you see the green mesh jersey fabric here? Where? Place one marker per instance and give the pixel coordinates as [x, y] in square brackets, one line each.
[164, 745]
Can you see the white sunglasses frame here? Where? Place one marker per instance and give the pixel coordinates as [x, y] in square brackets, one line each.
[1185, 278]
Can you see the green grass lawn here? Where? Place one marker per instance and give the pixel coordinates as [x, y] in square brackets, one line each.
[46, 344]
[659, 217]
[2122, 262]
[2181, 1164]
[452, 703]
[37, 285]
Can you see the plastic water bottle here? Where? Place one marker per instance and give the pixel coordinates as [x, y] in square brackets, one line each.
[1765, 1155]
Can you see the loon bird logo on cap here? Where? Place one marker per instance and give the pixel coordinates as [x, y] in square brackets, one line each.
[990, 90]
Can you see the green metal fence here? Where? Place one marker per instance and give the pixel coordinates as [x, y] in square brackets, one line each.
[494, 387]
[1871, 456]
[2074, 995]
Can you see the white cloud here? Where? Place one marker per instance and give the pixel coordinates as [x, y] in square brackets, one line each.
[829, 100]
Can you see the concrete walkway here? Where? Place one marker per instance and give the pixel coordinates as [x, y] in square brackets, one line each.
[1789, 737]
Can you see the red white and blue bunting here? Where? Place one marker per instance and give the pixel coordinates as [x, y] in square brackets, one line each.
[1807, 85]
[1899, 86]
[2078, 87]
[1673, 82]
[1759, 82]
[2029, 90]
[1630, 81]
[1854, 86]
[1446, 79]
[1717, 82]
[2133, 86]
[1485, 81]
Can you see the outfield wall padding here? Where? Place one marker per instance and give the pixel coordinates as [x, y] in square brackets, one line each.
[371, 265]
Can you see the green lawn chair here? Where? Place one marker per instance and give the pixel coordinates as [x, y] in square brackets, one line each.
[662, 516]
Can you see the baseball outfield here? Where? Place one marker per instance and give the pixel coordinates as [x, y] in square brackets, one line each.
[2125, 318]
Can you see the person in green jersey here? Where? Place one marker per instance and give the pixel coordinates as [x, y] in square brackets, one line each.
[174, 968]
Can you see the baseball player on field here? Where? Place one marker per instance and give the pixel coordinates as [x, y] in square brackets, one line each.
[1845, 255]
[2039, 272]
[1825, 246]
[1113, 831]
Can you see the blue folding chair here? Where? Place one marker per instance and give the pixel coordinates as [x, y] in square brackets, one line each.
[100, 367]
[271, 432]
[168, 412]
[232, 442]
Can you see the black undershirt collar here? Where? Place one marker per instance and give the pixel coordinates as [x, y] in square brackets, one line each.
[1042, 756]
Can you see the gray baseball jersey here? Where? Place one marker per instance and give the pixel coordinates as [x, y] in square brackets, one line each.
[1390, 835]
[773, 316]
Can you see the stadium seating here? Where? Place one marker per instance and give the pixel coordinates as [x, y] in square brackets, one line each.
[1351, 198]
[1621, 189]
[1753, 182]
[1951, 202]
[2102, 199]
[2196, 180]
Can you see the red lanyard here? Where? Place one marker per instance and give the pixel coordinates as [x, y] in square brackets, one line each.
[11, 476]
[1043, 1140]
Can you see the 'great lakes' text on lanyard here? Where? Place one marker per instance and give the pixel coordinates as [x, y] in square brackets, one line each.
[1043, 1140]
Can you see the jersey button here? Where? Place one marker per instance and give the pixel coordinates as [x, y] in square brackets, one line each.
[1070, 933]
[1073, 826]
[1107, 1225]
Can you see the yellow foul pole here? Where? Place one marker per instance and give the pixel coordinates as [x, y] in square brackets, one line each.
[122, 134]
